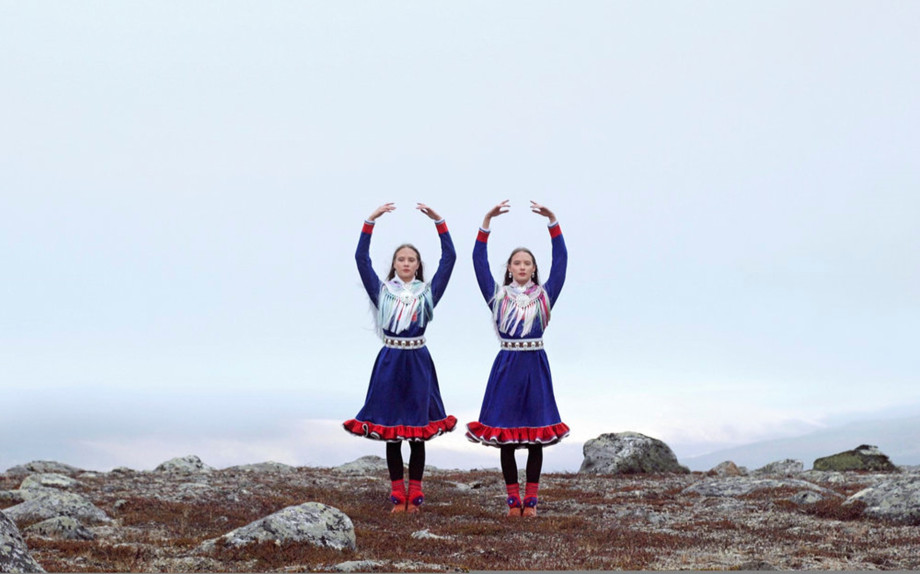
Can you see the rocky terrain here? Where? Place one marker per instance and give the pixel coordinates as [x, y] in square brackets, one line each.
[186, 516]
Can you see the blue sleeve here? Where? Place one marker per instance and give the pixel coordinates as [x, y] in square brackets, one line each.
[553, 285]
[363, 258]
[445, 265]
[481, 266]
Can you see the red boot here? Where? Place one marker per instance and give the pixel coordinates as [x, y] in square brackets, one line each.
[513, 500]
[416, 496]
[398, 496]
[530, 499]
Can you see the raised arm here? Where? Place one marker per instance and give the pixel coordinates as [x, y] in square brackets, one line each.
[448, 254]
[370, 280]
[481, 254]
[556, 280]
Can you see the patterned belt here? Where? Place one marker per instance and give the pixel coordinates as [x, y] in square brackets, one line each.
[404, 343]
[522, 344]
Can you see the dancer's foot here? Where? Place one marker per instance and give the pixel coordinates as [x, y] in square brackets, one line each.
[530, 507]
[399, 502]
[398, 496]
[416, 496]
[514, 505]
[415, 502]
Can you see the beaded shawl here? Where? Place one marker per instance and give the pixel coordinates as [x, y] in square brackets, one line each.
[399, 304]
[514, 305]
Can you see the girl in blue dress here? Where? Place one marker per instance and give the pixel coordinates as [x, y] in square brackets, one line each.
[519, 408]
[403, 401]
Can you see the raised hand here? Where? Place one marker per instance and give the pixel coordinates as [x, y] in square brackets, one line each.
[428, 211]
[542, 210]
[385, 208]
[499, 209]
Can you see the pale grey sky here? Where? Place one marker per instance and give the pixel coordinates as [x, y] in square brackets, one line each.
[182, 187]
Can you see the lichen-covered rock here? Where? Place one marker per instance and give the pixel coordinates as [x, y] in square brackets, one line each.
[61, 527]
[42, 467]
[628, 453]
[897, 500]
[190, 464]
[264, 467]
[787, 467]
[11, 496]
[426, 534]
[48, 480]
[49, 503]
[369, 464]
[863, 457]
[741, 485]
[311, 522]
[726, 469]
[358, 566]
[807, 497]
[756, 565]
[14, 555]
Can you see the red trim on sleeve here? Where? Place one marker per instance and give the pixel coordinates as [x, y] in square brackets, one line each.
[483, 236]
[442, 227]
[555, 231]
[368, 228]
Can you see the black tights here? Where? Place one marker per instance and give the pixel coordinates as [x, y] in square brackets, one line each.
[416, 460]
[534, 463]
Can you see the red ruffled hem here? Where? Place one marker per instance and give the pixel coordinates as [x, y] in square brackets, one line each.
[497, 436]
[400, 432]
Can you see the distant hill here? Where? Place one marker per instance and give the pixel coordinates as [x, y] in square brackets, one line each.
[899, 438]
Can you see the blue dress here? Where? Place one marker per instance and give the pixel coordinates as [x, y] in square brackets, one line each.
[403, 399]
[519, 407]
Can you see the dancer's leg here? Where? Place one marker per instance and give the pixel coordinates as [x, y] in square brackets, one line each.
[416, 471]
[510, 472]
[397, 482]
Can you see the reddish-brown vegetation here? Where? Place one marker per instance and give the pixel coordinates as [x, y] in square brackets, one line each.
[585, 523]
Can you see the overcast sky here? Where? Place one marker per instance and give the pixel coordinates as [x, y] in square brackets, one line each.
[182, 186]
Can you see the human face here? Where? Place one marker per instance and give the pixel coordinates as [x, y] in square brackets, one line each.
[521, 267]
[406, 264]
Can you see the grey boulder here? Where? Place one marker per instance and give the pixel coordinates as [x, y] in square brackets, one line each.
[628, 453]
[42, 466]
[787, 467]
[359, 566]
[369, 464]
[741, 485]
[310, 522]
[264, 467]
[14, 555]
[49, 503]
[48, 480]
[897, 500]
[190, 464]
[61, 527]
